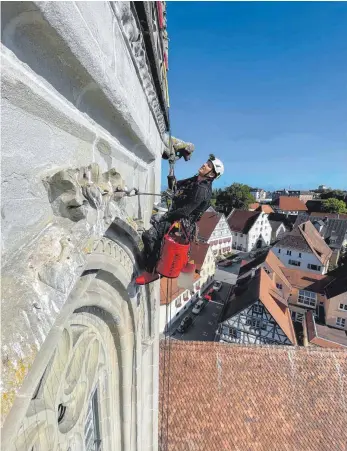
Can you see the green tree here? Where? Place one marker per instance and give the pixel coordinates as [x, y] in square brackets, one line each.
[236, 195]
[333, 205]
[333, 193]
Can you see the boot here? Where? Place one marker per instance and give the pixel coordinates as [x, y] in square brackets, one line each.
[146, 277]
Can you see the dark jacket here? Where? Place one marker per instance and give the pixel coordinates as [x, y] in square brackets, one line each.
[191, 200]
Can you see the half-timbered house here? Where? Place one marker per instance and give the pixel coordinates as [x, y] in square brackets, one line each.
[258, 311]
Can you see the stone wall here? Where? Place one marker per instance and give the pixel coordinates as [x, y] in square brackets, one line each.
[80, 119]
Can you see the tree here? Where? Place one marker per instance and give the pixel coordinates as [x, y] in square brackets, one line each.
[333, 193]
[236, 195]
[333, 205]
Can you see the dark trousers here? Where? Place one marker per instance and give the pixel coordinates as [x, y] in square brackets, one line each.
[152, 241]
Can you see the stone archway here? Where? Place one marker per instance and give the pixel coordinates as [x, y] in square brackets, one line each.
[103, 356]
[259, 244]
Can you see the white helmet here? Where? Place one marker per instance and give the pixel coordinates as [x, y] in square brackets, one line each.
[218, 167]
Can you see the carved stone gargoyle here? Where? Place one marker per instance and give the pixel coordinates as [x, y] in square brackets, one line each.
[74, 192]
[179, 149]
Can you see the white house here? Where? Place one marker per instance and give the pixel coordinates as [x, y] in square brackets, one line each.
[175, 301]
[258, 194]
[250, 229]
[304, 248]
[214, 230]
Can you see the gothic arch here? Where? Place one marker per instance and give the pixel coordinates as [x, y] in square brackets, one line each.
[96, 346]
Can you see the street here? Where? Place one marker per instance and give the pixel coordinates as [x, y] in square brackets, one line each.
[205, 324]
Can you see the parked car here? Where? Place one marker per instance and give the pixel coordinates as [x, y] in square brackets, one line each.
[237, 259]
[253, 254]
[185, 323]
[199, 306]
[217, 285]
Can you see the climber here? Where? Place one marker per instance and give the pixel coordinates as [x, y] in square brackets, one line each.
[190, 200]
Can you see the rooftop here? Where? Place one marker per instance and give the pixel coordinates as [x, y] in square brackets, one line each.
[198, 252]
[265, 208]
[252, 398]
[324, 336]
[288, 203]
[306, 238]
[306, 280]
[242, 220]
[169, 289]
[208, 223]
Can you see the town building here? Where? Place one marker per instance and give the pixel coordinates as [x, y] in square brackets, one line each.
[258, 194]
[332, 227]
[174, 301]
[289, 205]
[213, 229]
[303, 248]
[258, 311]
[260, 207]
[252, 398]
[324, 336]
[84, 114]
[307, 293]
[278, 230]
[304, 196]
[336, 303]
[249, 229]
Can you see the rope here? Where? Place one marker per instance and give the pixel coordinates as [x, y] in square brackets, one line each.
[166, 333]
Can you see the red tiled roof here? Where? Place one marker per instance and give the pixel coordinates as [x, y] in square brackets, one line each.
[305, 279]
[225, 397]
[265, 209]
[324, 336]
[253, 206]
[198, 253]
[208, 223]
[276, 305]
[242, 220]
[287, 203]
[318, 246]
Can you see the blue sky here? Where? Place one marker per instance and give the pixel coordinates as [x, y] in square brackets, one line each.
[262, 85]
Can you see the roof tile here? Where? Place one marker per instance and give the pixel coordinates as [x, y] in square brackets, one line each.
[222, 397]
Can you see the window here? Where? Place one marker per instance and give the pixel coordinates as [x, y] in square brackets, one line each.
[294, 262]
[255, 323]
[231, 332]
[343, 307]
[289, 252]
[299, 254]
[314, 267]
[92, 435]
[279, 286]
[257, 309]
[298, 317]
[307, 298]
[241, 235]
[341, 322]
[279, 251]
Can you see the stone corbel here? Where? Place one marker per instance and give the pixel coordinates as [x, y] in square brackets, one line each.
[177, 150]
[78, 193]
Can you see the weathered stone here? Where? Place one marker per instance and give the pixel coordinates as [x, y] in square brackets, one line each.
[80, 118]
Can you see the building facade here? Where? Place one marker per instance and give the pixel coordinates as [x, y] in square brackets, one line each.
[250, 230]
[214, 230]
[84, 114]
[175, 301]
[303, 248]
